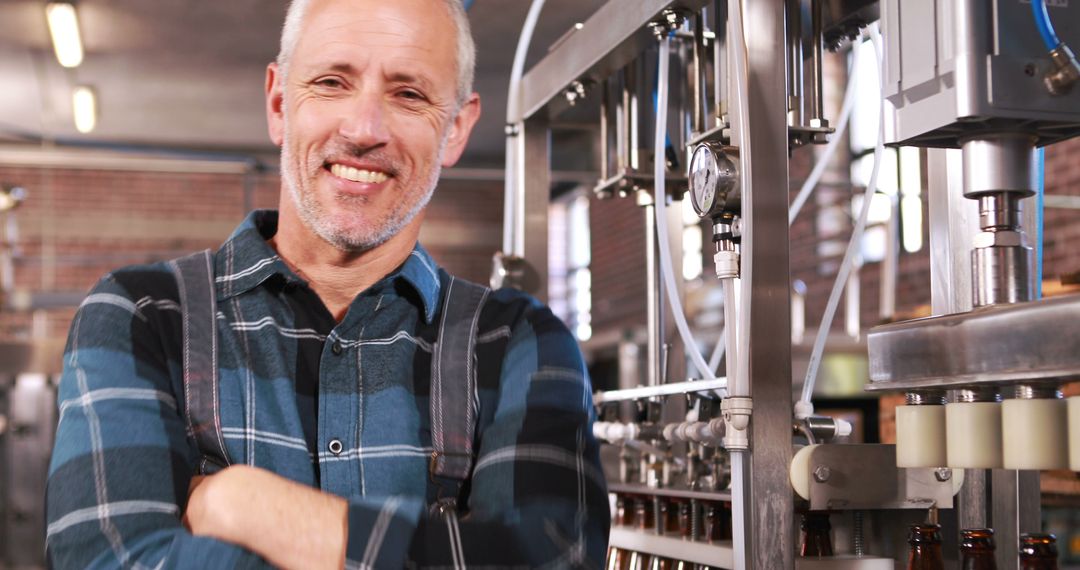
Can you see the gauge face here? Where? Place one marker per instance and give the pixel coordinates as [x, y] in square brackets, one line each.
[704, 179]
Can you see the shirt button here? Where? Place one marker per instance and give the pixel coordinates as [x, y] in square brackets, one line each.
[335, 446]
[336, 348]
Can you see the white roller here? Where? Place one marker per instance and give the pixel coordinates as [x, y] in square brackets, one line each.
[799, 474]
[1074, 433]
[973, 433]
[920, 436]
[844, 562]
[1034, 434]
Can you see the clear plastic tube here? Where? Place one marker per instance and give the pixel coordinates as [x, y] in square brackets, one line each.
[513, 210]
[740, 386]
[804, 408]
[660, 200]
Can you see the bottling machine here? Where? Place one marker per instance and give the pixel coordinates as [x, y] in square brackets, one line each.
[725, 89]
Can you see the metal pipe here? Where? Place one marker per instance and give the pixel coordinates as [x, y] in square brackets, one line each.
[718, 386]
[699, 73]
[653, 307]
[604, 158]
[795, 62]
[817, 94]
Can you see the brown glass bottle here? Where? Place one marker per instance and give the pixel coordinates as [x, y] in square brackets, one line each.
[977, 549]
[925, 541]
[617, 558]
[815, 535]
[643, 511]
[1038, 552]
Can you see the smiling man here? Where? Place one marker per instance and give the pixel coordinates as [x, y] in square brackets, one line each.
[318, 393]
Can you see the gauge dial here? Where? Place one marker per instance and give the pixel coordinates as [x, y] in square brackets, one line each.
[712, 176]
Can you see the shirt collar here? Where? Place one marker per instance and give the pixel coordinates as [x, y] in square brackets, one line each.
[246, 260]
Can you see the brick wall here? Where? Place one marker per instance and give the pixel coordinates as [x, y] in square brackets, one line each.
[78, 224]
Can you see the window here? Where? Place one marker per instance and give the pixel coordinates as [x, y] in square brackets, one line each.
[899, 188]
[569, 256]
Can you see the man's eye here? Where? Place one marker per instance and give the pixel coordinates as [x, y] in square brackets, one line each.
[329, 82]
[411, 95]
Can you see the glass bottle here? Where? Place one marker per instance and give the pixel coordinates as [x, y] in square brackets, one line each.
[1038, 552]
[617, 558]
[644, 514]
[977, 549]
[816, 539]
[925, 541]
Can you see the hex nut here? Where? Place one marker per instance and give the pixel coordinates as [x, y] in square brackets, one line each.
[984, 240]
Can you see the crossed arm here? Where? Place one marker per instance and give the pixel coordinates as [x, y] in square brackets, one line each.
[120, 490]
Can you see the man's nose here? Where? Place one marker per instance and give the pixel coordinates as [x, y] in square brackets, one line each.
[365, 122]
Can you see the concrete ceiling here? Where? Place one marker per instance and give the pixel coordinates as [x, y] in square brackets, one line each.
[188, 74]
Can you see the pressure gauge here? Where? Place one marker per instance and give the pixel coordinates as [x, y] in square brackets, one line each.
[713, 177]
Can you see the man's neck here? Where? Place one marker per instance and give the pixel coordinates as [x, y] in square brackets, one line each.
[337, 276]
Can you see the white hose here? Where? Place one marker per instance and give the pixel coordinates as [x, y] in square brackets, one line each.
[830, 149]
[804, 408]
[740, 386]
[513, 212]
[660, 209]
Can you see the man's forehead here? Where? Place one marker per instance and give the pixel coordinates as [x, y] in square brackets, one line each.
[339, 25]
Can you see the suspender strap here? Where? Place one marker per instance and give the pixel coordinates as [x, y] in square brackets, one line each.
[198, 309]
[454, 400]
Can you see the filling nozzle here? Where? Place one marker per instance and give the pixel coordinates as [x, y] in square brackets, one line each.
[999, 171]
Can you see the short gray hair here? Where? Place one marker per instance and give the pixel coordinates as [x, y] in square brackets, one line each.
[466, 48]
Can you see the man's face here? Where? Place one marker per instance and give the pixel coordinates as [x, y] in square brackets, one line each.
[366, 116]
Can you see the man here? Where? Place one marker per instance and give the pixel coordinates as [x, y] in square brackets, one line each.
[328, 323]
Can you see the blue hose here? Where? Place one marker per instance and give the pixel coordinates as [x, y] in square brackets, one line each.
[1042, 21]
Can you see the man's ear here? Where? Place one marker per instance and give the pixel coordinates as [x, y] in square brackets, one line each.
[275, 102]
[460, 129]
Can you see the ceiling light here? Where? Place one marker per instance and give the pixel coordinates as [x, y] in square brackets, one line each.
[64, 28]
[85, 107]
[10, 197]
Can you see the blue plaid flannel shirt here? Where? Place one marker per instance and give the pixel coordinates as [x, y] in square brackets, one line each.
[122, 461]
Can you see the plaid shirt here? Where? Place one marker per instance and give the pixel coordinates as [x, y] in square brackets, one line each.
[293, 380]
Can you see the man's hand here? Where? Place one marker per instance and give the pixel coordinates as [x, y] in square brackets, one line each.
[289, 524]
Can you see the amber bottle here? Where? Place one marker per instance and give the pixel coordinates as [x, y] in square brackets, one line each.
[617, 558]
[646, 522]
[977, 549]
[816, 539]
[1038, 552]
[925, 541]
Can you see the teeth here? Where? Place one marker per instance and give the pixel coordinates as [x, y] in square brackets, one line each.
[357, 175]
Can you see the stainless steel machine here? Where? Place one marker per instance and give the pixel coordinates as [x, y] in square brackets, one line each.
[985, 77]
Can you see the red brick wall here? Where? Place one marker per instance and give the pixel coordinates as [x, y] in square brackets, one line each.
[76, 225]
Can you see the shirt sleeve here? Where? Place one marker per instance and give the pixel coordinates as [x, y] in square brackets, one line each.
[122, 463]
[537, 495]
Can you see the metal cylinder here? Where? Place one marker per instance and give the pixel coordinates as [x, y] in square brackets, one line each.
[795, 62]
[815, 108]
[1004, 162]
[1002, 274]
[999, 211]
[1036, 392]
[925, 398]
[975, 395]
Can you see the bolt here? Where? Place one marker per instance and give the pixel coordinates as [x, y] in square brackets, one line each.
[943, 474]
[1030, 70]
[821, 473]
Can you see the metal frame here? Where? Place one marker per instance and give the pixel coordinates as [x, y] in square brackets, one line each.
[608, 41]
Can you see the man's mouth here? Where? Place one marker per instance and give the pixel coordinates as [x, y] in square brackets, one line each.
[358, 174]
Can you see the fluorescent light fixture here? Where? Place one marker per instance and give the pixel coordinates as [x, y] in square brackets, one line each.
[84, 102]
[64, 28]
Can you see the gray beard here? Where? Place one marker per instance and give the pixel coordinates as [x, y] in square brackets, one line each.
[315, 218]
